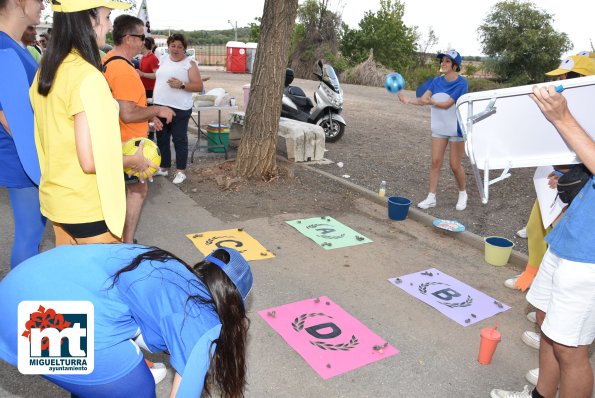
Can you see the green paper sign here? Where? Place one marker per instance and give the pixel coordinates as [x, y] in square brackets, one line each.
[328, 232]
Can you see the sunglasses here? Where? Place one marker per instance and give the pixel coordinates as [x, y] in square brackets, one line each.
[142, 37]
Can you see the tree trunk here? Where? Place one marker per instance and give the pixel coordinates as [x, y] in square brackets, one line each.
[258, 146]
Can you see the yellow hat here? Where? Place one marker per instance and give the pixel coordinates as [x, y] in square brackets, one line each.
[589, 54]
[575, 63]
[81, 5]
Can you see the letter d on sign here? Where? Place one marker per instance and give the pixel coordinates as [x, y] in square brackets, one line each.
[446, 294]
[315, 331]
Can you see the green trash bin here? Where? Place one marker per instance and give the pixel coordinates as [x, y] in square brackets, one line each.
[218, 135]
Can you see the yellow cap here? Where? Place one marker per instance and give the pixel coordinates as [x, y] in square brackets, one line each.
[81, 5]
[576, 63]
[590, 54]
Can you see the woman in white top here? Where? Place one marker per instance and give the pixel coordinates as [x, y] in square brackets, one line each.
[177, 78]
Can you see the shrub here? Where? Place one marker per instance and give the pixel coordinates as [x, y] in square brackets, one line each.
[484, 85]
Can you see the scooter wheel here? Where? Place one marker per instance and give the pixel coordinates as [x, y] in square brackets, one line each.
[332, 131]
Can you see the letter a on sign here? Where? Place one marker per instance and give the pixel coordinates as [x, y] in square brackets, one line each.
[325, 231]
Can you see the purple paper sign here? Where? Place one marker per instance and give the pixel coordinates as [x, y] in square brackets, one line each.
[458, 301]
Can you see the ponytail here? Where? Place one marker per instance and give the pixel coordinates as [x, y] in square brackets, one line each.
[228, 365]
[73, 31]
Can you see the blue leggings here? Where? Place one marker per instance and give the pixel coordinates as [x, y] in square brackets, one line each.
[29, 224]
[139, 383]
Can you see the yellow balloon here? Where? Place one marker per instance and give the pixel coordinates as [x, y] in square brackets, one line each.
[150, 152]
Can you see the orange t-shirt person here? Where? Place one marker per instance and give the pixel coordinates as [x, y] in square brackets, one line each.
[126, 85]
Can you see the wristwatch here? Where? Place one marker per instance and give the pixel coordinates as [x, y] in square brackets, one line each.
[183, 86]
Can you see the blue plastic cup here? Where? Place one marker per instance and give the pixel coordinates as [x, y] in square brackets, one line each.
[398, 207]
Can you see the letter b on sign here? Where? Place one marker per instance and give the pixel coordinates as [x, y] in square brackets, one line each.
[446, 294]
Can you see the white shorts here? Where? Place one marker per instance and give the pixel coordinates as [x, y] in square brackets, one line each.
[565, 291]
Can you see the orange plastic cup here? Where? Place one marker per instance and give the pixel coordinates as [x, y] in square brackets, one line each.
[490, 338]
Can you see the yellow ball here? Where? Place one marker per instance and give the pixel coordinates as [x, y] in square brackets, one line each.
[150, 152]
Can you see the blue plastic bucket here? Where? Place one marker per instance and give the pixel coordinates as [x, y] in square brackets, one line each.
[398, 207]
[497, 250]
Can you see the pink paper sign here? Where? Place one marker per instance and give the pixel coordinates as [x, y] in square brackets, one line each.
[326, 336]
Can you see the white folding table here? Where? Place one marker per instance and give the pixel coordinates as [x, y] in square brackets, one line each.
[210, 143]
[504, 129]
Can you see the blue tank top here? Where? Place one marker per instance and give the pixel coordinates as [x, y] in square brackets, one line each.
[12, 173]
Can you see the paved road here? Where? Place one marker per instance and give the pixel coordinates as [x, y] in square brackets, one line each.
[437, 355]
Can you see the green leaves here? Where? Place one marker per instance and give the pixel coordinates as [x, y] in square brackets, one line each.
[383, 32]
[521, 41]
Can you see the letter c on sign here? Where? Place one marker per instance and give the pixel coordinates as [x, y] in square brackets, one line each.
[235, 242]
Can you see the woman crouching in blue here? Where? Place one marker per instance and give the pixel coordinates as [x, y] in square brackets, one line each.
[142, 296]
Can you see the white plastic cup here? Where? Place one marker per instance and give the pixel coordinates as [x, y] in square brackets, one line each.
[232, 101]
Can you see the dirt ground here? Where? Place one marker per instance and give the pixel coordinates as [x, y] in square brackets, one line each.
[384, 140]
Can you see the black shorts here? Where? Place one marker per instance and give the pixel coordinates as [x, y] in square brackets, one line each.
[130, 180]
[86, 229]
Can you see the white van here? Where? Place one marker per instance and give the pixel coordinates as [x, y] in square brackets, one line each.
[161, 51]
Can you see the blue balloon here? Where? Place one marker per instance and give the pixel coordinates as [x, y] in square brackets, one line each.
[394, 82]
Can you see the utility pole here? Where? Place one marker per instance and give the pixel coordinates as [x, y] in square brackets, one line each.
[235, 29]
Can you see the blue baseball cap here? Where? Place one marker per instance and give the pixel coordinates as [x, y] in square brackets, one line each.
[453, 55]
[237, 269]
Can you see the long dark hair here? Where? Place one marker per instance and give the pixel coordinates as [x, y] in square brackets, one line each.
[71, 31]
[228, 364]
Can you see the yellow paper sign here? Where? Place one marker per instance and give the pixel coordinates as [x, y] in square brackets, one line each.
[235, 238]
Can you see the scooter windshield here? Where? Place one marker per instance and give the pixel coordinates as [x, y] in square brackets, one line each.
[330, 78]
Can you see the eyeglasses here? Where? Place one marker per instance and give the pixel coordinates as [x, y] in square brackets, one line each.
[142, 37]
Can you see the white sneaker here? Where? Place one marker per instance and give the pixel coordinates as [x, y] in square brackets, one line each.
[526, 393]
[462, 202]
[532, 376]
[532, 317]
[522, 233]
[532, 339]
[159, 371]
[511, 283]
[428, 202]
[161, 172]
[179, 178]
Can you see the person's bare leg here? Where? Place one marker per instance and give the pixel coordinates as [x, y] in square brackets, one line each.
[438, 149]
[576, 375]
[456, 163]
[549, 368]
[135, 196]
[62, 237]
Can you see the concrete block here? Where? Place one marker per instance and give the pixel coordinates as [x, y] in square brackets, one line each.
[303, 141]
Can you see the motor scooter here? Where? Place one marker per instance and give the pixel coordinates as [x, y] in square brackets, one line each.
[328, 105]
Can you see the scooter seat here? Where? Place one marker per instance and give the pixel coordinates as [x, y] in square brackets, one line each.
[299, 98]
[293, 90]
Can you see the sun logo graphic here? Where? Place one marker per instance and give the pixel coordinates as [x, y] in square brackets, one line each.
[56, 337]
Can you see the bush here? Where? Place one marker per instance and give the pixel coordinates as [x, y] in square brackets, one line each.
[415, 76]
[367, 73]
[338, 62]
[484, 85]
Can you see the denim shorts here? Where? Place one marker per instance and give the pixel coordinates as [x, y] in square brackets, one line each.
[451, 138]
